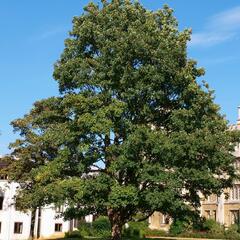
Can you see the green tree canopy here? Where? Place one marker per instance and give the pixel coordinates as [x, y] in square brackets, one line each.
[132, 130]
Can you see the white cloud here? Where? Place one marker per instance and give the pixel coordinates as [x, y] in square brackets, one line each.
[219, 60]
[228, 20]
[209, 39]
[52, 33]
[219, 28]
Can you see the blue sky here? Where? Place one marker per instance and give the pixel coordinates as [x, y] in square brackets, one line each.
[33, 33]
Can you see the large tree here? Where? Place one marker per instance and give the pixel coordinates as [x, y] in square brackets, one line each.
[132, 131]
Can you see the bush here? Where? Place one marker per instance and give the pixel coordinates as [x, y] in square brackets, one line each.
[85, 229]
[99, 228]
[212, 226]
[74, 234]
[232, 232]
[179, 226]
[154, 232]
[137, 230]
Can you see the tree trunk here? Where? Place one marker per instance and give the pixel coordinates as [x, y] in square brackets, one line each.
[116, 231]
[116, 223]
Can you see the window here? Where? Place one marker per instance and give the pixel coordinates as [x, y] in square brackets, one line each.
[59, 209]
[214, 215]
[235, 192]
[237, 164]
[58, 227]
[3, 177]
[165, 219]
[207, 214]
[234, 216]
[1, 200]
[0, 227]
[18, 227]
[75, 223]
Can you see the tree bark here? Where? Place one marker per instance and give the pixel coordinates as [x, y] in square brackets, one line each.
[116, 223]
[116, 231]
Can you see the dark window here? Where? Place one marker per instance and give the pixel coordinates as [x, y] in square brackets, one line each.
[18, 227]
[58, 227]
[214, 215]
[1, 202]
[3, 177]
[59, 209]
[234, 216]
[76, 223]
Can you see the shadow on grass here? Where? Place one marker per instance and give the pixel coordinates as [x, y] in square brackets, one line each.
[96, 238]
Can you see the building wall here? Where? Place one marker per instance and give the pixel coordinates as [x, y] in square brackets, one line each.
[159, 221]
[9, 215]
[225, 208]
[47, 220]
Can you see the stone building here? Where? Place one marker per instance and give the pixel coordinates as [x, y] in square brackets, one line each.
[225, 209]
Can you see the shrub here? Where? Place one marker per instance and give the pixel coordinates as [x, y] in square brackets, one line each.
[137, 230]
[179, 226]
[74, 234]
[154, 232]
[99, 228]
[212, 226]
[232, 232]
[85, 229]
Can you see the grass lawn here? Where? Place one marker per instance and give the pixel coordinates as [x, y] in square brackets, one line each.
[141, 239]
[93, 238]
[162, 238]
[105, 239]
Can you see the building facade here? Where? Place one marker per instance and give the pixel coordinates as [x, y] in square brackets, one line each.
[225, 208]
[16, 225]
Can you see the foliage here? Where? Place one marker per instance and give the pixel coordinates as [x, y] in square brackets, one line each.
[85, 229]
[212, 226]
[206, 229]
[99, 228]
[74, 234]
[135, 229]
[139, 230]
[179, 226]
[132, 126]
[232, 232]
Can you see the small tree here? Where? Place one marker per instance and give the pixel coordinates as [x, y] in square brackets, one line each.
[132, 131]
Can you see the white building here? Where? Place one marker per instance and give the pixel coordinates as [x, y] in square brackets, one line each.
[16, 225]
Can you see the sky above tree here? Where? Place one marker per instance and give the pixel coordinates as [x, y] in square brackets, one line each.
[33, 34]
